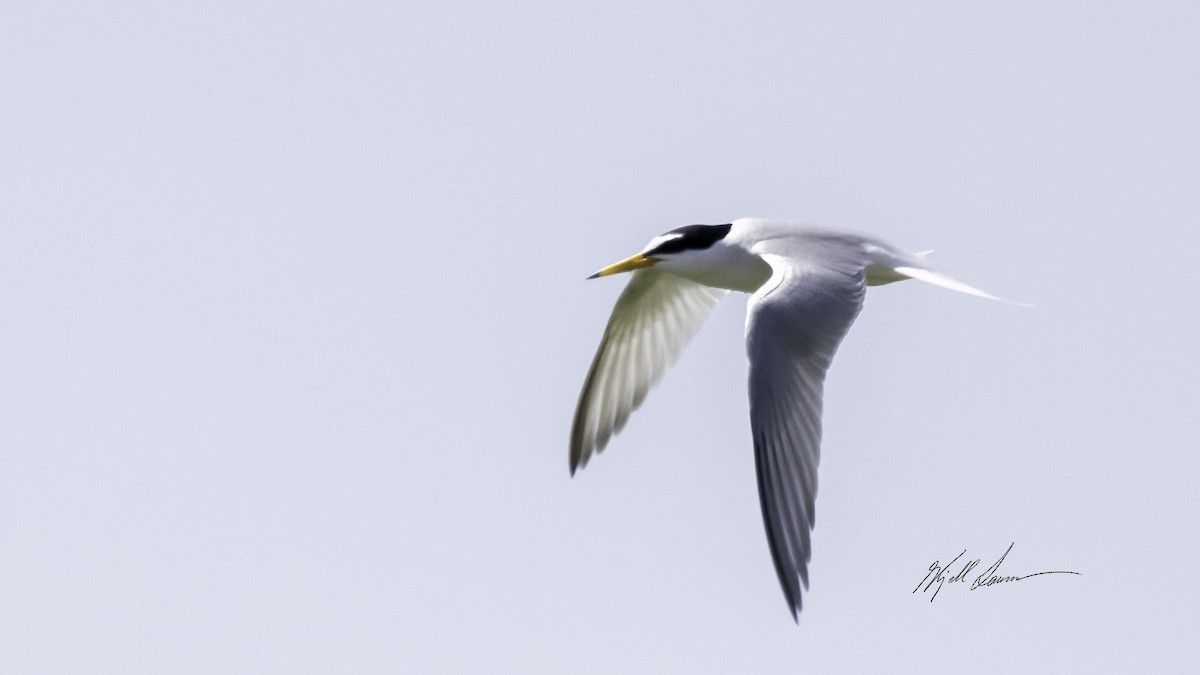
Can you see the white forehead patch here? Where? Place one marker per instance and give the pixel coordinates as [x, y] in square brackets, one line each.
[662, 239]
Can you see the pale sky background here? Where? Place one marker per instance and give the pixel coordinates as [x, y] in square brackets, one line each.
[294, 320]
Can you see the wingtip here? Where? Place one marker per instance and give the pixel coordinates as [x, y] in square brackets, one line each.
[795, 603]
[594, 276]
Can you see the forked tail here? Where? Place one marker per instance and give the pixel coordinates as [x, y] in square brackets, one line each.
[938, 279]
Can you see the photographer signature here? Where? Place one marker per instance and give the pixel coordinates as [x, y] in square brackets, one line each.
[990, 577]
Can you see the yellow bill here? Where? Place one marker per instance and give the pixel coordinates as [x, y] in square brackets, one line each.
[630, 264]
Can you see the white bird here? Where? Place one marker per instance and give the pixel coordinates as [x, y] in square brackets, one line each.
[807, 285]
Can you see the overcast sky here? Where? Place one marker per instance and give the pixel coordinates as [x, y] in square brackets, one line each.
[294, 320]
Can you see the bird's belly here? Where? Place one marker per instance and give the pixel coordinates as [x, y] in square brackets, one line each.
[747, 276]
[878, 275]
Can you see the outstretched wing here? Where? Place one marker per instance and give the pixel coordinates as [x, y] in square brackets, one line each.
[794, 325]
[655, 316]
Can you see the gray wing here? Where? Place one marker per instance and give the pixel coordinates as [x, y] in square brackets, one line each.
[656, 315]
[794, 325]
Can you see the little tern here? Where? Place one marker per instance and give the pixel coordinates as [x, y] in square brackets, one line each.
[807, 285]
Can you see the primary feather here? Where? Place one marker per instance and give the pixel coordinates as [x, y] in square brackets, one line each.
[656, 316]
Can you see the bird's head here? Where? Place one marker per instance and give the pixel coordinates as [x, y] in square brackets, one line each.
[677, 248]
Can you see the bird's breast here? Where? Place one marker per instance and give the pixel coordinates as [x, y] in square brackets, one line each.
[743, 273]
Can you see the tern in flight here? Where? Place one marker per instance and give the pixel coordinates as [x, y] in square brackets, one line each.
[807, 285]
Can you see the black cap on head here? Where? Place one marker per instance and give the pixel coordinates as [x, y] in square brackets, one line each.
[690, 237]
